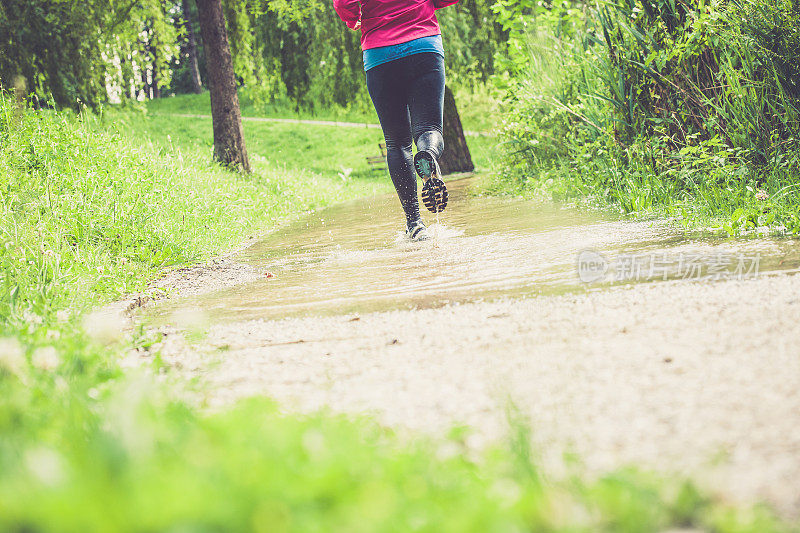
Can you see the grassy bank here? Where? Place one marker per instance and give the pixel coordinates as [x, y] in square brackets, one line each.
[91, 214]
[87, 445]
[686, 110]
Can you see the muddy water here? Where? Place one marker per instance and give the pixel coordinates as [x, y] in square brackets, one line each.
[353, 258]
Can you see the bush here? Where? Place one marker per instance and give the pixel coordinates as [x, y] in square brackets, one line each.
[651, 105]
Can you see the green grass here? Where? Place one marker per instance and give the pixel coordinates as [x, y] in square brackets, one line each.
[591, 124]
[322, 150]
[478, 109]
[314, 148]
[88, 444]
[200, 104]
[90, 214]
[704, 190]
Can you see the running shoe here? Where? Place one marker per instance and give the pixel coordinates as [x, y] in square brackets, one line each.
[417, 231]
[434, 192]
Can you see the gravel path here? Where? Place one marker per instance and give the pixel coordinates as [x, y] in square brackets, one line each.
[696, 377]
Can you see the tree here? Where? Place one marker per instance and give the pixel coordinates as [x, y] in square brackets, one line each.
[456, 157]
[191, 49]
[55, 48]
[229, 146]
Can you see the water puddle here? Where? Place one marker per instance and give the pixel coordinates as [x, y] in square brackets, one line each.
[352, 258]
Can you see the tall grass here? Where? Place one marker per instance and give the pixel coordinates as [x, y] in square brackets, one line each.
[658, 107]
[87, 214]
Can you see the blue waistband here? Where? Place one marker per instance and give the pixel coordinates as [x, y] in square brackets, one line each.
[383, 54]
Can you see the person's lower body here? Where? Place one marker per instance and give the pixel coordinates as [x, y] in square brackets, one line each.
[408, 94]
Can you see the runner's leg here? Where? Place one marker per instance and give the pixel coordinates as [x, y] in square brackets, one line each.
[389, 92]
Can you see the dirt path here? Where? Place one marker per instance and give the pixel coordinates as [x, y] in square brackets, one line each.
[312, 122]
[696, 377]
[700, 378]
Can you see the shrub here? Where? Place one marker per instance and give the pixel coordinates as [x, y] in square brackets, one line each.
[659, 105]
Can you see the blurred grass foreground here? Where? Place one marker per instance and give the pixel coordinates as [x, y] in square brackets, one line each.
[88, 443]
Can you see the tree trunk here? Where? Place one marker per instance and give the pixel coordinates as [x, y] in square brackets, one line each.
[145, 57]
[229, 146]
[145, 82]
[155, 80]
[456, 156]
[191, 49]
[127, 81]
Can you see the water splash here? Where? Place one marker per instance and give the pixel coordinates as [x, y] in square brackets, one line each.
[350, 257]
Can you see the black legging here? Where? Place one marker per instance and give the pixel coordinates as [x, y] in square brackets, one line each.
[408, 94]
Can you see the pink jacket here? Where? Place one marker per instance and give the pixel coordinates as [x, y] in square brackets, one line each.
[387, 22]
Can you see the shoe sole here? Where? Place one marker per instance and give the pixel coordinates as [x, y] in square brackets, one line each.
[434, 195]
[434, 191]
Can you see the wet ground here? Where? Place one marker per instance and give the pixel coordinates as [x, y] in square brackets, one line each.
[623, 342]
[353, 258]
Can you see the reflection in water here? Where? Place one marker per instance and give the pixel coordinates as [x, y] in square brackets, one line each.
[352, 257]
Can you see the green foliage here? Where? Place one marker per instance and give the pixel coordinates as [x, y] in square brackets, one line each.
[241, 39]
[66, 52]
[181, 82]
[50, 48]
[88, 215]
[472, 38]
[299, 49]
[86, 445]
[773, 30]
[304, 52]
[685, 109]
[130, 459]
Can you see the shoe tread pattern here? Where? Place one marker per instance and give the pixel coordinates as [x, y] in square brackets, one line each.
[434, 195]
